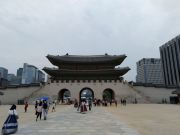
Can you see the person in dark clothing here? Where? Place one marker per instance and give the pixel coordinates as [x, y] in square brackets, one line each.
[25, 107]
[90, 104]
[35, 106]
[45, 109]
[110, 102]
[124, 102]
[115, 101]
[75, 103]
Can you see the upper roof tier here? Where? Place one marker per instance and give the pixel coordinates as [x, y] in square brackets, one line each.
[70, 60]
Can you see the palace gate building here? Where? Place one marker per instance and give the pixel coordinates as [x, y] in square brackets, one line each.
[93, 76]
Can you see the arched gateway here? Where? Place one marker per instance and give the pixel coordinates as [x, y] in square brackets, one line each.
[108, 94]
[64, 95]
[86, 93]
[87, 76]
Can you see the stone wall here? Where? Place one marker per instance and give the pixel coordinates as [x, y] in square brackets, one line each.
[12, 95]
[121, 90]
[154, 95]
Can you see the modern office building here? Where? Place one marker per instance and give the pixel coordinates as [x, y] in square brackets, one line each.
[31, 75]
[149, 71]
[19, 72]
[13, 79]
[3, 73]
[170, 56]
[41, 76]
[3, 77]
[28, 74]
[3, 83]
[19, 75]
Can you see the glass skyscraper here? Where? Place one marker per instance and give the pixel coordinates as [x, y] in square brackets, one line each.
[170, 56]
[149, 71]
[31, 74]
[3, 73]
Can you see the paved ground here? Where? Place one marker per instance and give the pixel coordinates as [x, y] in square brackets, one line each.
[70, 122]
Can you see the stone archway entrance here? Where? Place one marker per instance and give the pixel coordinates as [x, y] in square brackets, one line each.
[86, 94]
[64, 96]
[108, 94]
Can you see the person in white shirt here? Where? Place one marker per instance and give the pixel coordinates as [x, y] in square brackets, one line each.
[39, 111]
[12, 111]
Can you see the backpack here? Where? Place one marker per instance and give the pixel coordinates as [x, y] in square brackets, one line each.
[45, 106]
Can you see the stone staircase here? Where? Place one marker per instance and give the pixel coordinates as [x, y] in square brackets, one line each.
[141, 97]
[35, 95]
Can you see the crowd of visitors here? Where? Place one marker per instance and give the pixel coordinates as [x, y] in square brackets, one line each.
[86, 104]
[10, 126]
[42, 107]
[123, 102]
[99, 102]
[164, 101]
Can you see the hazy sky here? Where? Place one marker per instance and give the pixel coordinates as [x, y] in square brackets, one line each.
[31, 29]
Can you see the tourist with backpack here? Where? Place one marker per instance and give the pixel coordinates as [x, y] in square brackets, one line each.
[45, 109]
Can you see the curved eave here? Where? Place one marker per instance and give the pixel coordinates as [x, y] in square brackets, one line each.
[96, 59]
[59, 72]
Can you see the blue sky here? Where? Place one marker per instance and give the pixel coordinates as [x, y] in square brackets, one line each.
[31, 29]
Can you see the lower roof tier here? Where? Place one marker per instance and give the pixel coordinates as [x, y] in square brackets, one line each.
[86, 74]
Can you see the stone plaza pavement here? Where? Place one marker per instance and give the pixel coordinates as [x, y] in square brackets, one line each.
[70, 122]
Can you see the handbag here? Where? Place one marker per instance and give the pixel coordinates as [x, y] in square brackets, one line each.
[10, 126]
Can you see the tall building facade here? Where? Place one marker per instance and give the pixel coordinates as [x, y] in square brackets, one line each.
[13, 80]
[149, 71]
[3, 73]
[170, 56]
[19, 75]
[19, 72]
[31, 74]
[28, 74]
[41, 76]
[3, 77]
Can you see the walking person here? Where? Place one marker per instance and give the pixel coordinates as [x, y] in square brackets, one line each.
[75, 103]
[95, 102]
[25, 107]
[124, 102]
[45, 109]
[83, 107]
[79, 106]
[39, 111]
[53, 106]
[90, 104]
[10, 126]
[35, 107]
[110, 102]
[115, 101]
